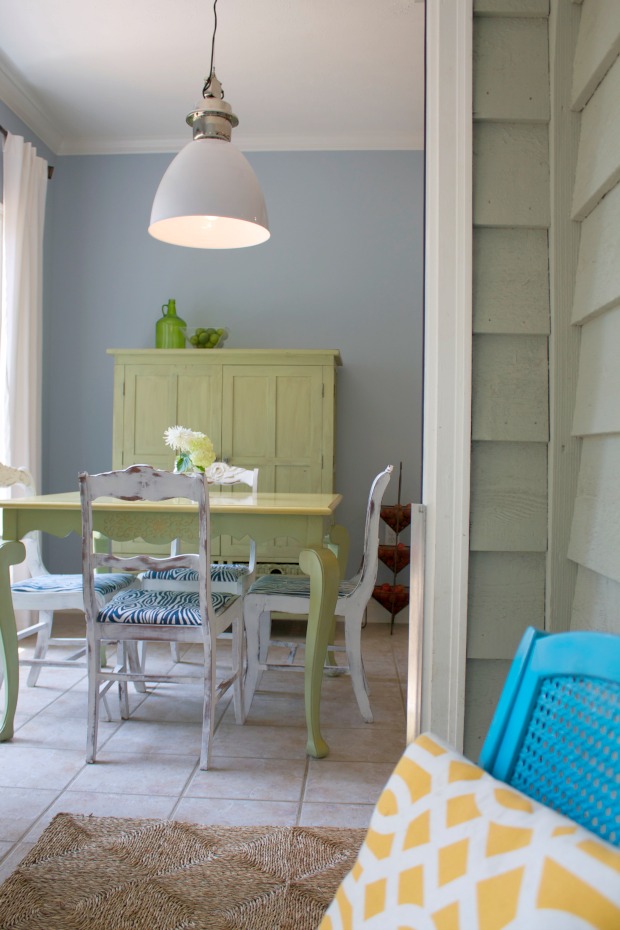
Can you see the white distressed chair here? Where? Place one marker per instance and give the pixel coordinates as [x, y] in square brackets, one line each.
[233, 577]
[290, 594]
[46, 593]
[170, 616]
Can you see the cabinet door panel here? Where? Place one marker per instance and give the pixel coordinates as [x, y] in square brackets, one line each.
[149, 408]
[296, 478]
[273, 420]
[247, 427]
[299, 416]
[199, 403]
[273, 415]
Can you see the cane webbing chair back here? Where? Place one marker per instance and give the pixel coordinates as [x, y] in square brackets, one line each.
[556, 732]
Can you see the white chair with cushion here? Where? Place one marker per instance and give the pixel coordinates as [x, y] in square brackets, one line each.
[235, 577]
[162, 616]
[290, 594]
[47, 593]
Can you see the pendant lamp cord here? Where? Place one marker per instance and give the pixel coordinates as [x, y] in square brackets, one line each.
[207, 85]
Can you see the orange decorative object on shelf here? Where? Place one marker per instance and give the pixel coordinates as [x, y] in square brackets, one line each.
[391, 596]
[395, 557]
[397, 516]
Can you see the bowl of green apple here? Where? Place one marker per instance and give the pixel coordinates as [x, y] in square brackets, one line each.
[207, 337]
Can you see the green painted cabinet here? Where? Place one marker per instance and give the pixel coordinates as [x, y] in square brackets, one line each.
[273, 409]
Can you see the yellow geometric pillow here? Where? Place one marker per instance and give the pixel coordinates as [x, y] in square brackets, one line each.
[451, 848]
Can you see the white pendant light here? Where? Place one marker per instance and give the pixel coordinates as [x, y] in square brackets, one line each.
[209, 197]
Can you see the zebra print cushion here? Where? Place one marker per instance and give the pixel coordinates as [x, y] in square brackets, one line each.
[293, 586]
[228, 571]
[72, 584]
[176, 608]
[224, 572]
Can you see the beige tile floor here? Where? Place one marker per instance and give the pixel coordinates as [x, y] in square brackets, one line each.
[148, 765]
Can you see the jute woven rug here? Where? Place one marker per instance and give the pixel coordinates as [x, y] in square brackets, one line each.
[107, 873]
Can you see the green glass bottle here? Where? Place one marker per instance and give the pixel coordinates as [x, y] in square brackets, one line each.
[170, 329]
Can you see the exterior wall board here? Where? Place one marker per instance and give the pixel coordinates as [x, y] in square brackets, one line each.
[506, 595]
[509, 392]
[511, 175]
[596, 605]
[511, 61]
[598, 162]
[511, 281]
[597, 407]
[597, 48]
[511, 323]
[512, 7]
[597, 282]
[509, 497]
[485, 680]
[595, 533]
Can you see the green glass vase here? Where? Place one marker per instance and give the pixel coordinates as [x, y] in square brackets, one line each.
[170, 329]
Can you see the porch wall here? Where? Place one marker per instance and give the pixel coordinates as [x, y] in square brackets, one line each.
[510, 345]
[545, 503]
[595, 532]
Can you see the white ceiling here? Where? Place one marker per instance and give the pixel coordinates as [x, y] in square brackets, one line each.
[121, 75]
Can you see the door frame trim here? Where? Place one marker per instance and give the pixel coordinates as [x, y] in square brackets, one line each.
[447, 362]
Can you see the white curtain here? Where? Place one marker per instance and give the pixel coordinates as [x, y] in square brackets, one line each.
[25, 187]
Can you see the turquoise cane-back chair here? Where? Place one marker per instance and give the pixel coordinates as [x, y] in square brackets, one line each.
[555, 734]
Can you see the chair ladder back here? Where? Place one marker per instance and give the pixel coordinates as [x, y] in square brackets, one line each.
[249, 477]
[367, 574]
[141, 482]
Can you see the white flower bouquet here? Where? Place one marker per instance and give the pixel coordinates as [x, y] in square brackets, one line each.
[194, 450]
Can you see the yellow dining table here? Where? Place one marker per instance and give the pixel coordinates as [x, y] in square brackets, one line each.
[263, 516]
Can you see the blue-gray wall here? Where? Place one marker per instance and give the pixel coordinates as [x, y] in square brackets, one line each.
[343, 269]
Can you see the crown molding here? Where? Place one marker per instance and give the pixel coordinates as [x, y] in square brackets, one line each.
[109, 146]
[15, 94]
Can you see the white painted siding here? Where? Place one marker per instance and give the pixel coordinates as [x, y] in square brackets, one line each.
[595, 531]
[512, 160]
[545, 482]
[512, 7]
[597, 48]
[598, 168]
[597, 284]
[595, 536]
[597, 407]
[511, 281]
[510, 345]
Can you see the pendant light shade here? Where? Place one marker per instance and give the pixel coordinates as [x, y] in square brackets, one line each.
[209, 198]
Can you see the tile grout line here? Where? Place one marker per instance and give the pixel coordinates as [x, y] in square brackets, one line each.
[302, 793]
[174, 797]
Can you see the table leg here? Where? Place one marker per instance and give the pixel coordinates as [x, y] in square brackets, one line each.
[10, 554]
[322, 567]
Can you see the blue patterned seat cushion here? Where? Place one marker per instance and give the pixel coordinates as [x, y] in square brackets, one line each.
[225, 572]
[168, 608]
[293, 586]
[105, 584]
